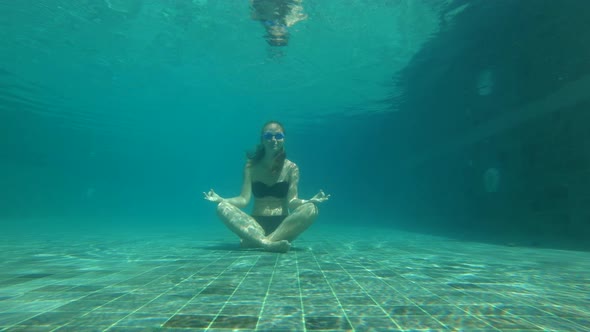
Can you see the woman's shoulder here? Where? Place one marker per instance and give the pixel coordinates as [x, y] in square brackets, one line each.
[291, 168]
[290, 165]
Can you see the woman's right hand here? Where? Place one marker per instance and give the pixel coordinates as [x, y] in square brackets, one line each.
[212, 196]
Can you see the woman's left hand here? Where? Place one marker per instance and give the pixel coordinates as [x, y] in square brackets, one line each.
[319, 197]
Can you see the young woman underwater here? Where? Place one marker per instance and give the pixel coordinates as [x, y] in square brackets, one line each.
[278, 215]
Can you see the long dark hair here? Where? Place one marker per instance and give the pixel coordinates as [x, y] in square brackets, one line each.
[257, 155]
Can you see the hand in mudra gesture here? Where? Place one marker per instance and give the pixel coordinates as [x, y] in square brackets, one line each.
[319, 197]
[212, 196]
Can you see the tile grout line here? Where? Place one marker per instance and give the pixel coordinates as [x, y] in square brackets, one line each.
[332, 289]
[59, 282]
[300, 292]
[364, 290]
[267, 291]
[199, 293]
[162, 294]
[395, 289]
[533, 323]
[232, 294]
[417, 305]
[532, 306]
[97, 291]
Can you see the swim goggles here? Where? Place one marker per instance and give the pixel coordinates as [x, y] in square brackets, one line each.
[274, 23]
[268, 136]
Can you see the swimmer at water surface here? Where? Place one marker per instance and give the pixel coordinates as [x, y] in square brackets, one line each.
[276, 16]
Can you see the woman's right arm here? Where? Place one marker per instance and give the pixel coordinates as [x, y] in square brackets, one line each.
[240, 201]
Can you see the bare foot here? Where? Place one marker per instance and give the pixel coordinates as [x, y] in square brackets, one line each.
[277, 246]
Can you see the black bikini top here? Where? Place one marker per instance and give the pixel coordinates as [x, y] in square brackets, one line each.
[278, 190]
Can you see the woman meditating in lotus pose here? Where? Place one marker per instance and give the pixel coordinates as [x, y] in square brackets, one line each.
[278, 216]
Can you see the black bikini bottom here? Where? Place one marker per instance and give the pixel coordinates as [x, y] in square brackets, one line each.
[269, 223]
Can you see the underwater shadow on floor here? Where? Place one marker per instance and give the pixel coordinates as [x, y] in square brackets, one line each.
[226, 246]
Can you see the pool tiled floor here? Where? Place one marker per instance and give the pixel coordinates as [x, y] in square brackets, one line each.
[362, 279]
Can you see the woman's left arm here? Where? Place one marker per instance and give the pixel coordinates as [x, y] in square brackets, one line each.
[292, 195]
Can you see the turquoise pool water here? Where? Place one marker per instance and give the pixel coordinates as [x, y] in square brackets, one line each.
[451, 135]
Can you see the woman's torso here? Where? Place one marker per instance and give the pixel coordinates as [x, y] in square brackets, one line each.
[270, 190]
